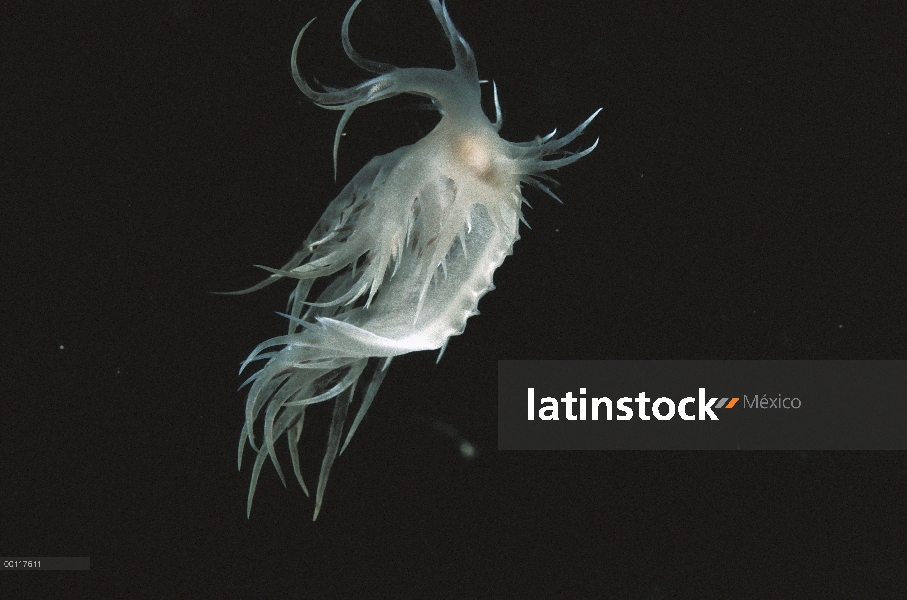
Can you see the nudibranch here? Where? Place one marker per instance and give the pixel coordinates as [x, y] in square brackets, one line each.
[399, 260]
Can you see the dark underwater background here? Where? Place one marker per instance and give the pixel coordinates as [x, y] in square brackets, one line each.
[747, 200]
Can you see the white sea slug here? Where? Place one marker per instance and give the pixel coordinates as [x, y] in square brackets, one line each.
[400, 258]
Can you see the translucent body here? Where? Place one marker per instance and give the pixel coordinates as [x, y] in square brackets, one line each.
[400, 258]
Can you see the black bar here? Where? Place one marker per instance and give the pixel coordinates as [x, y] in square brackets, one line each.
[45, 563]
[780, 405]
